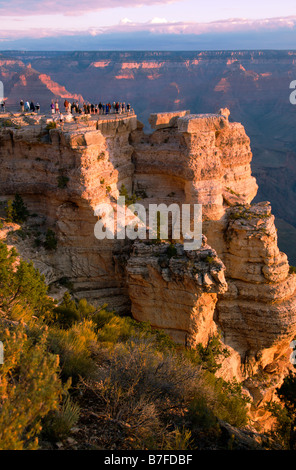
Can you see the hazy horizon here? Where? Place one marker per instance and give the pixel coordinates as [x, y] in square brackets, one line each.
[147, 25]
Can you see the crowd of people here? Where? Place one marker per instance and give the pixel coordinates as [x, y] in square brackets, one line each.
[29, 107]
[90, 108]
[75, 107]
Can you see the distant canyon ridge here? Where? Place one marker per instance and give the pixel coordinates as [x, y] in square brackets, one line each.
[254, 85]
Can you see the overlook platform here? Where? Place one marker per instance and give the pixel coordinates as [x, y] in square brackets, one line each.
[70, 122]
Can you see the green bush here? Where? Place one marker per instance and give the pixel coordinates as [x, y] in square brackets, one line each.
[129, 200]
[21, 285]
[16, 210]
[66, 317]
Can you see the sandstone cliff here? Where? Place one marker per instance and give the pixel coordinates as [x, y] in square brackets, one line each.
[195, 159]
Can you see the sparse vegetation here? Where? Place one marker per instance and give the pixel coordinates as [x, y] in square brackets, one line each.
[285, 413]
[74, 361]
[16, 210]
[243, 212]
[129, 200]
[101, 155]
[171, 250]
[50, 240]
[51, 125]
[7, 123]
[231, 191]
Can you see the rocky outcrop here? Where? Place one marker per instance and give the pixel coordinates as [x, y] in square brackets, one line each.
[261, 294]
[176, 290]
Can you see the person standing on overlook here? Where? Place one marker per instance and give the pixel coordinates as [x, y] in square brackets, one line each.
[66, 105]
[61, 119]
[22, 105]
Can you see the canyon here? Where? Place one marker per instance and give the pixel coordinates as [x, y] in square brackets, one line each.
[253, 84]
[237, 284]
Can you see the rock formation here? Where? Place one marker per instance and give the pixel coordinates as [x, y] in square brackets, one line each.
[189, 159]
[176, 290]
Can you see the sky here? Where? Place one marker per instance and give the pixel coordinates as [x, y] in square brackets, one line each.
[147, 24]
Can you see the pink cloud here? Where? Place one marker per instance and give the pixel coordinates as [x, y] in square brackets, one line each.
[68, 7]
[158, 27]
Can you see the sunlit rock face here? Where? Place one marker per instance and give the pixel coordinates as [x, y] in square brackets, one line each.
[176, 290]
[237, 282]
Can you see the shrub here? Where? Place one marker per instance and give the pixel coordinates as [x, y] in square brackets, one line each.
[16, 211]
[66, 316]
[50, 240]
[51, 125]
[281, 430]
[7, 123]
[201, 416]
[129, 200]
[115, 329]
[208, 356]
[57, 424]
[29, 389]
[21, 285]
[227, 402]
[285, 412]
[171, 250]
[76, 347]
[101, 156]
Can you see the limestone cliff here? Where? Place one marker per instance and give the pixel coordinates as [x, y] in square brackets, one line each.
[194, 159]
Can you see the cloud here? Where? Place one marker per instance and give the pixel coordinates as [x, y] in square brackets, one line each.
[160, 26]
[68, 7]
[158, 21]
[125, 21]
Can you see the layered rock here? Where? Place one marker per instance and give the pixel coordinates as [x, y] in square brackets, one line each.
[176, 290]
[62, 175]
[261, 295]
[206, 159]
